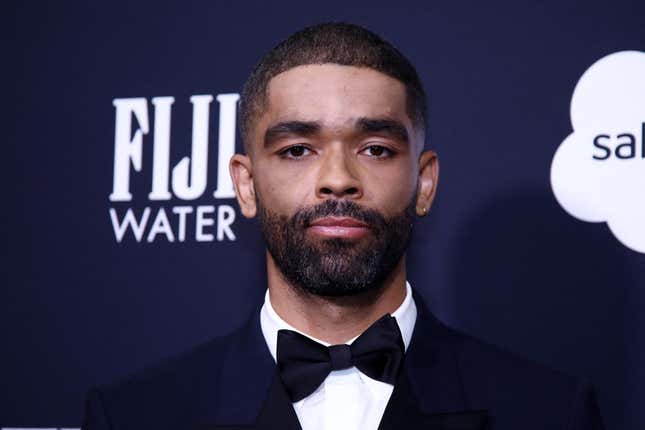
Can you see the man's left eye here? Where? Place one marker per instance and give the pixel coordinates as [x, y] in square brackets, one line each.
[377, 151]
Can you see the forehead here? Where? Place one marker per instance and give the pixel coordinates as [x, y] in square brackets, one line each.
[334, 95]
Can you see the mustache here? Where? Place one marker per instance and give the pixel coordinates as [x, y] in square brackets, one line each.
[339, 208]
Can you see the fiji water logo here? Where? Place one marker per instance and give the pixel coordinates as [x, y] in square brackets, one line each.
[162, 218]
[598, 172]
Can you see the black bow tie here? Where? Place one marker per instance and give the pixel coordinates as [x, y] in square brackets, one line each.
[304, 364]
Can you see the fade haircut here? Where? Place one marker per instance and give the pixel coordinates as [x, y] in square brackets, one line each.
[331, 43]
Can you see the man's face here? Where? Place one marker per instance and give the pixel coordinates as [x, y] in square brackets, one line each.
[333, 174]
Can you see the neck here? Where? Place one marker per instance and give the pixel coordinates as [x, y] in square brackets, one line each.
[334, 319]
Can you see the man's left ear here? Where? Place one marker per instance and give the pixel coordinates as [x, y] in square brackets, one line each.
[427, 182]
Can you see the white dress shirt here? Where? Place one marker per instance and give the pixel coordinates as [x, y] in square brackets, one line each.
[347, 399]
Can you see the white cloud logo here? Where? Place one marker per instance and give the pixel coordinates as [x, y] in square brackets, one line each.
[598, 172]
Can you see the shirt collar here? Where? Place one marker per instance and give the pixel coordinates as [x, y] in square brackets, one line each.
[270, 322]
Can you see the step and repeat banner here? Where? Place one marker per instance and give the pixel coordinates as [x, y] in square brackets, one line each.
[124, 244]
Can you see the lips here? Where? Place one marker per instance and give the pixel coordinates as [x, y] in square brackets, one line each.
[341, 227]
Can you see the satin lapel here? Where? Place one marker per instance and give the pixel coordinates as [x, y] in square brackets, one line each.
[430, 391]
[402, 410]
[251, 396]
[431, 365]
[277, 412]
[246, 376]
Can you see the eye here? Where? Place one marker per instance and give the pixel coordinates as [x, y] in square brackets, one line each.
[295, 152]
[377, 151]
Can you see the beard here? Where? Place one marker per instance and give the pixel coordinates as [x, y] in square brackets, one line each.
[335, 267]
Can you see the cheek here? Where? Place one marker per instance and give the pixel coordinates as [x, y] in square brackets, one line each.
[391, 187]
[283, 189]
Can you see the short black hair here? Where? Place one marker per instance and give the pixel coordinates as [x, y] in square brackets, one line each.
[331, 43]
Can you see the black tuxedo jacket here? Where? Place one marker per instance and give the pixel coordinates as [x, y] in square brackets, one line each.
[449, 381]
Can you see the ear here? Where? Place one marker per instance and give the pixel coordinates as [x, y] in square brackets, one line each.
[241, 169]
[427, 182]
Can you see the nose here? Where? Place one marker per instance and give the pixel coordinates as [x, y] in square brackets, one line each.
[338, 176]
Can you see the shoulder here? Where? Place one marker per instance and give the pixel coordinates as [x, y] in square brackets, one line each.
[517, 389]
[481, 364]
[488, 362]
[169, 391]
[190, 365]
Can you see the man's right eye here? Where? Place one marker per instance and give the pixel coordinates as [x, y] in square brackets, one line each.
[295, 151]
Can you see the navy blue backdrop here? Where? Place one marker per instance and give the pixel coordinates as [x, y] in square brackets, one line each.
[497, 257]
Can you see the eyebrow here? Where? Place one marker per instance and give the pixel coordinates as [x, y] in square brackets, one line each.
[290, 128]
[384, 126]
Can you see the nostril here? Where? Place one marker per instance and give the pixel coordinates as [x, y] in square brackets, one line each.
[352, 190]
[340, 191]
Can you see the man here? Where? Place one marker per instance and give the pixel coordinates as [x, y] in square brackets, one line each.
[333, 121]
